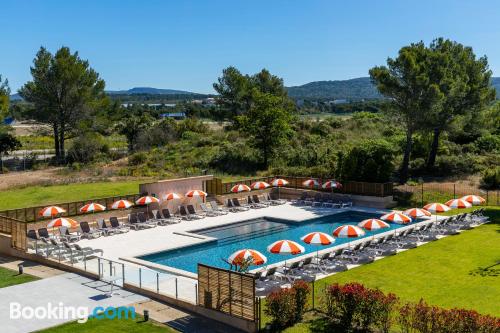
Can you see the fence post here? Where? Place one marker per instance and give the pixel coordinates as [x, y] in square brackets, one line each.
[157, 282]
[123, 273]
[487, 197]
[314, 279]
[140, 278]
[176, 290]
[99, 267]
[196, 293]
[454, 192]
[422, 198]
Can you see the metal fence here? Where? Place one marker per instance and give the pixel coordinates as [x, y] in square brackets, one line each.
[424, 193]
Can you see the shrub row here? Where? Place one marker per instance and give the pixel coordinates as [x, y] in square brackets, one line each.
[354, 308]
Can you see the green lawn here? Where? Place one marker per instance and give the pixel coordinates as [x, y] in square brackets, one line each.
[458, 271]
[9, 277]
[42, 195]
[111, 326]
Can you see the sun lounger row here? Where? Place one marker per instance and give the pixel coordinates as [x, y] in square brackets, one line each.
[321, 200]
[252, 202]
[365, 252]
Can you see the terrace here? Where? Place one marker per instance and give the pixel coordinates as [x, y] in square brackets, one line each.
[128, 259]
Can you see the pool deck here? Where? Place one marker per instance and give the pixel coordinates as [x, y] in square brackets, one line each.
[137, 243]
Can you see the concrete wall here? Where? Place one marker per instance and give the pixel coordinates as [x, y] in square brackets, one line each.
[179, 186]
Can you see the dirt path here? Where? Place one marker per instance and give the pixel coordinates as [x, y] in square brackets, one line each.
[15, 179]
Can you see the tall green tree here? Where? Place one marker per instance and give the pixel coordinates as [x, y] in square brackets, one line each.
[267, 122]
[464, 82]
[236, 91]
[4, 98]
[405, 80]
[64, 88]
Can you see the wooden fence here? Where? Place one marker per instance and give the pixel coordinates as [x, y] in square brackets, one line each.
[17, 230]
[30, 214]
[217, 187]
[229, 292]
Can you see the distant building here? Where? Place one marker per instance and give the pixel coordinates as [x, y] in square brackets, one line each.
[9, 121]
[174, 115]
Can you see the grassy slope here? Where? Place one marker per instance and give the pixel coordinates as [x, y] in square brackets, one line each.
[9, 278]
[41, 195]
[457, 271]
[111, 326]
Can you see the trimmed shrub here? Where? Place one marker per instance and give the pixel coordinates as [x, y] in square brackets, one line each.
[353, 307]
[280, 306]
[301, 290]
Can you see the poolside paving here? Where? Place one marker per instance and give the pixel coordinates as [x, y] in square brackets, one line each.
[68, 289]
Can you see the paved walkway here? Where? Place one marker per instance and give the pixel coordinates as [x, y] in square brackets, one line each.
[30, 267]
[66, 289]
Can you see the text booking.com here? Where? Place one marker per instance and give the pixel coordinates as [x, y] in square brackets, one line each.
[62, 312]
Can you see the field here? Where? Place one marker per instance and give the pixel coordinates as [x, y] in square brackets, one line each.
[137, 325]
[42, 195]
[9, 277]
[458, 271]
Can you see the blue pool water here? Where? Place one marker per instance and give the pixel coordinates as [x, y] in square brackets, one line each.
[256, 234]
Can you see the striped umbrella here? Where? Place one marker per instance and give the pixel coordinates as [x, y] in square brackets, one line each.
[259, 185]
[51, 211]
[62, 222]
[331, 184]
[310, 183]
[436, 207]
[121, 204]
[285, 247]
[196, 193]
[458, 203]
[240, 188]
[279, 182]
[146, 200]
[373, 224]
[318, 238]
[396, 218]
[172, 196]
[417, 212]
[473, 199]
[348, 231]
[241, 256]
[92, 207]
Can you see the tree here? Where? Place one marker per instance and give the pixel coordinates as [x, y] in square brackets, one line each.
[4, 98]
[406, 82]
[267, 121]
[236, 91]
[63, 91]
[132, 127]
[463, 81]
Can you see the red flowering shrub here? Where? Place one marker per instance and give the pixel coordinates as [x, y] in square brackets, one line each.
[353, 307]
[280, 306]
[423, 318]
[302, 291]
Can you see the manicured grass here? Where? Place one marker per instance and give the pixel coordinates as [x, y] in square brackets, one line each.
[42, 195]
[457, 271]
[136, 325]
[9, 277]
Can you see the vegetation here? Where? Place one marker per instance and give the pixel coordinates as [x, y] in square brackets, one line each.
[64, 91]
[44, 195]
[137, 325]
[354, 89]
[9, 277]
[7, 141]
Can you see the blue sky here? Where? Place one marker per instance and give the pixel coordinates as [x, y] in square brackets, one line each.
[186, 44]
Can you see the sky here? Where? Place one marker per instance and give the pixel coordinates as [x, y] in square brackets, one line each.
[185, 44]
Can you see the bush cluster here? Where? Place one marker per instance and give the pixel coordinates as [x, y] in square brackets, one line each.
[423, 318]
[353, 307]
[287, 306]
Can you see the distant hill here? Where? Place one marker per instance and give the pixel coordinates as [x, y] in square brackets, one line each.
[353, 89]
[150, 91]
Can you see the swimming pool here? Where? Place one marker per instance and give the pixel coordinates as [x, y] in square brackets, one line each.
[255, 234]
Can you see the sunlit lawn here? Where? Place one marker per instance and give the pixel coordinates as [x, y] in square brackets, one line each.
[41, 195]
[111, 326]
[9, 277]
[457, 271]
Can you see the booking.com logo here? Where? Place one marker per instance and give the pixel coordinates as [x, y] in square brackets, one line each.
[62, 312]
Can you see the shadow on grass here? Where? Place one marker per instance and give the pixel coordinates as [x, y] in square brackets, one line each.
[487, 271]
